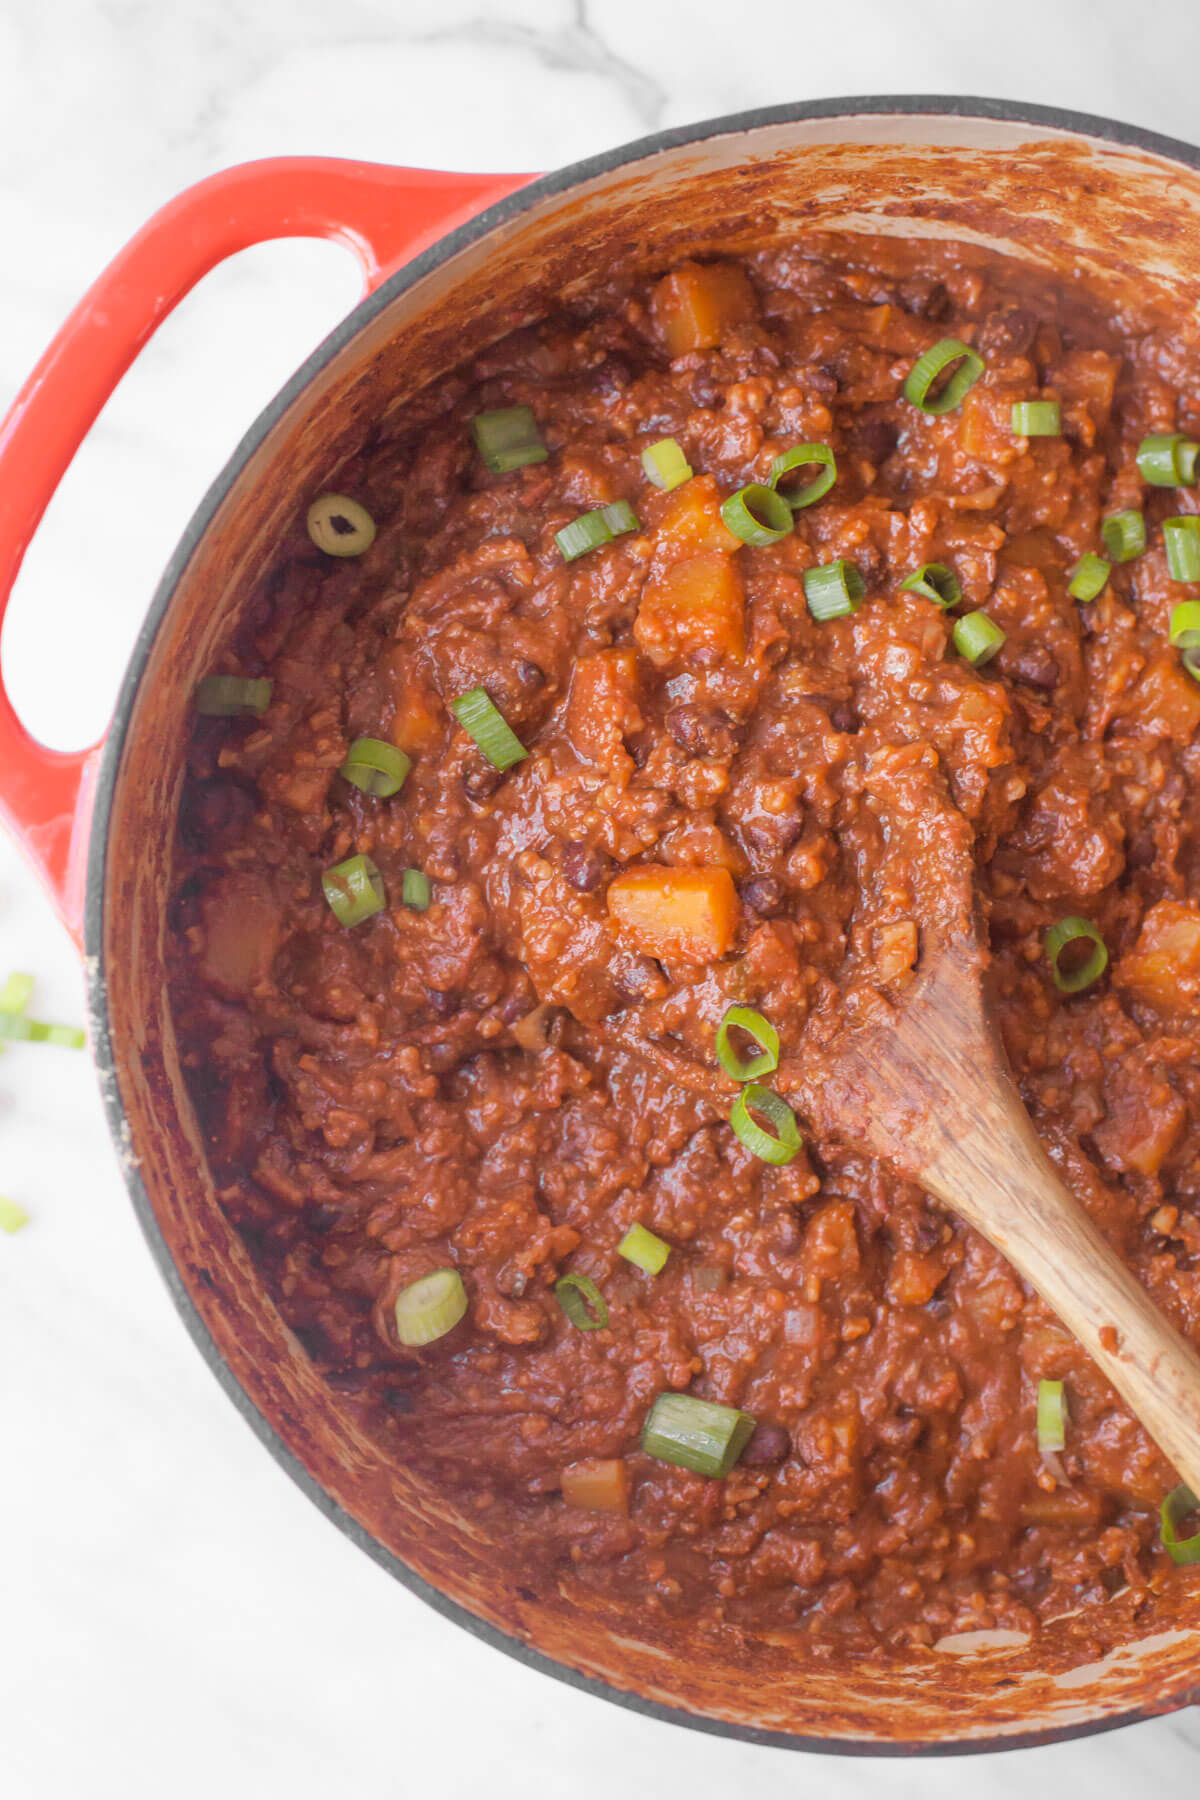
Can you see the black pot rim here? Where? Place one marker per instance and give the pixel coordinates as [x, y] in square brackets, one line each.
[910, 105]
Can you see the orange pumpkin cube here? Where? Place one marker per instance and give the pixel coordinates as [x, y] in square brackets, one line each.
[691, 521]
[680, 915]
[1163, 967]
[602, 706]
[599, 1486]
[1166, 701]
[693, 607]
[696, 303]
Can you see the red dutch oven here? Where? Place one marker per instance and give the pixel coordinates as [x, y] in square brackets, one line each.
[451, 262]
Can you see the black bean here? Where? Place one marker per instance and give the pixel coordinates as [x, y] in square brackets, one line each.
[843, 717]
[763, 895]
[320, 1217]
[768, 1444]
[1009, 333]
[922, 295]
[481, 782]
[585, 867]
[612, 375]
[875, 439]
[397, 1400]
[529, 674]
[1032, 663]
[441, 1002]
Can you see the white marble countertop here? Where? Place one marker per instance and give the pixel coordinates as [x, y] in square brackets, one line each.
[175, 1618]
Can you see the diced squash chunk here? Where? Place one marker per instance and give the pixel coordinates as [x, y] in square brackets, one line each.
[1165, 701]
[600, 1486]
[695, 305]
[1163, 968]
[602, 707]
[692, 522]
[831, 1241]
[1142, 1128]
[420, 715]
[914, 1279]
[693, 608]
[1088, 377]
[681, 915]
[241, 936]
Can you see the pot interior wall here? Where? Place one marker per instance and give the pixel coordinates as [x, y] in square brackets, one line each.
[1127, 223]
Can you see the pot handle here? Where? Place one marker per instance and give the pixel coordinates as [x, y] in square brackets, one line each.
[384, 215]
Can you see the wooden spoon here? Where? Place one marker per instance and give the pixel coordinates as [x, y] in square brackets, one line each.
[926, 1086]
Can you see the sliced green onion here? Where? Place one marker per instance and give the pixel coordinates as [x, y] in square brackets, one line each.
[339, 526]
[696, 1434]
[1175, 1509]
[1089, 577]
[1168, 459]
[16, 994]
[592, 529]
[936, 582]
[644, 1250]
[1182, 540]
[757, 515]
[415, 891]
[1191, 662]
[18, 1029]
[1051, 1415]
[1185, 625]
[12, 1216]
[376, 767]
[787, 1140]
[508, 439]
[746, 1019]
[1075, 931]
[225, 696]
[833, 590]
[490, 730]
[933, 363]
[978, 638]
[666, 465]
[354, 890]
[804, 456]
[1124, 535]
[1036, 418]
[430, 1307]
[582, 1302]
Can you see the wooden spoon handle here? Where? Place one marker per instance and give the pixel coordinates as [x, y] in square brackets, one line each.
[997, 1176]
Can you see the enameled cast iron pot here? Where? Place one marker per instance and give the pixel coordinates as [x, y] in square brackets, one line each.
[452, 262]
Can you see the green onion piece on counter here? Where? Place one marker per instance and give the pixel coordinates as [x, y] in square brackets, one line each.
[1124, 535]
[16, 994]
[508, 439]
[1082, 975]
[1179, 1503]
[592, 529]
[430, 1307]
[415, 891]
[20, 1030]
[803, 456]
[1089, 577]
[1185, 625]
[757, 515]
[936, 582]
[1051, 1415]
[1182, 540]
[1167, 459]
[745, 1018]
[376, 767]
[339, 526]
[978, 638]
[225, 696]
[12, 1216]
[918, 387]
[666, 465]
[491, 732]
[696, 1434]
[1036, 418]
[786, 1142]
[354, 890]
[833, 590]
[644, 1250]
[582, 1302]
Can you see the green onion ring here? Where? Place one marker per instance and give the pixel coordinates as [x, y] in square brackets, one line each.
[1089, 577]
[1124, 535]
[430, 1307]
[575, 1294]
[928, 367]
[1075, 931]
[785, 1144]
[376, 767]
[1185, 625]
[1036, 418]
[483, 722]
[834, 590]
[696, 1434]
[666, 465]
[977, 638]
[936, 582]
[1175, 1508]
[226, 696]
[804, 456]
[354, 890]
[415, 891]
[1167, 459]
[12, 1217]
[746, 1019]
[757, 515]
[1052, 1415]
[1181, 539]
[644, 1249]
[339, 526]
[508, 439]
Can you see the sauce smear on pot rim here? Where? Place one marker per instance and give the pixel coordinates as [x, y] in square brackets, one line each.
[635, 691]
